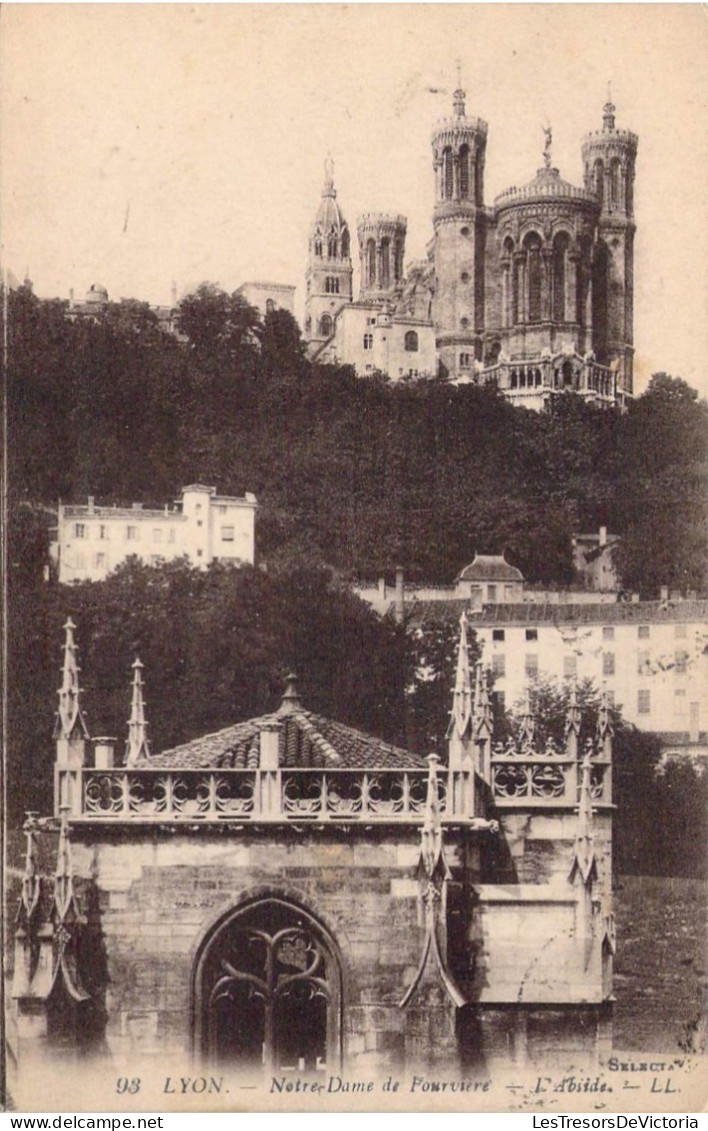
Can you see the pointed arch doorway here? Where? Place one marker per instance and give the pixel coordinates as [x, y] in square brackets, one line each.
[268, 991]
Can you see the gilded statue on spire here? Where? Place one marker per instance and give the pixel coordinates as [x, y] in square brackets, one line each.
[548, 134]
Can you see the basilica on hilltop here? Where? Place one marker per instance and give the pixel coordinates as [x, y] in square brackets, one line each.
[534, 292]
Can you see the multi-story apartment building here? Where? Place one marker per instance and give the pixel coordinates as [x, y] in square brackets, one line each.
[650, 656]
[201, 526]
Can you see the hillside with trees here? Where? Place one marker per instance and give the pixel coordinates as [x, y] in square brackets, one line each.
[352, 477]
[358, 474]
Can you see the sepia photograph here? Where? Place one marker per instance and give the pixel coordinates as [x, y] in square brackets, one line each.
[355, 557]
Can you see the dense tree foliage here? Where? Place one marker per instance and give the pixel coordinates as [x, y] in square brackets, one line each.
[358, 473]
[216, 645]
[661, 807]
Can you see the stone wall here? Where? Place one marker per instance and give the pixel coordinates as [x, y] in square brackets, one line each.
[514, 939]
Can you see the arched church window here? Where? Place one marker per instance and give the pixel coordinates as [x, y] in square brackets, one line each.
[448, 177]
[325, 326]
[410, 342]
[614, 182]
[534, 277]
[567, 372]
[385, 263]
[345, 243]
[318, 245]
[370, 263]
[308, 324]
[560, 250]
[270, 306]
[268, 992]
[464, 172]
[516, 295]
[599, 178]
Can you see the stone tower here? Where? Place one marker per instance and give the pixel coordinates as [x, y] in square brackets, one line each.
[609, 157]
[328, 279]
[459, 145]
[382, 242]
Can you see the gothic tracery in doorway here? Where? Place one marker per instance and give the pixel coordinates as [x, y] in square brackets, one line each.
[269, 991]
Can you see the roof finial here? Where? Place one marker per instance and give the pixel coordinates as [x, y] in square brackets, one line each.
[291, 699]
[548, 134]
[70, 717]
[329, 189]
[608, 114]
[458, 98]
[136, 748]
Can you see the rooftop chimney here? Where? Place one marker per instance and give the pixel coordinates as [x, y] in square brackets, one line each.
[270, 744]
[603, 536]
[104, 753]
[90, 504]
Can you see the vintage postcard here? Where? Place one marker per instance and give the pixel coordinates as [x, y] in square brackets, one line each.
[355, 545]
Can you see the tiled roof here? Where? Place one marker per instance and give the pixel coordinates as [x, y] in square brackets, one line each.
[305, 740]
[524, 613]
[420, 613]
[621, 612]
[490, 567]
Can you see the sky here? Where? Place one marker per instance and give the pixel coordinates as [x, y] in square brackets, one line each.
[145, 145]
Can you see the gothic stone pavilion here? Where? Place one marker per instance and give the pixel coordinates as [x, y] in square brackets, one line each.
[534, 292]
[291, 895]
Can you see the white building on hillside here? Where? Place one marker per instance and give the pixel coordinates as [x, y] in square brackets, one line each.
[651, 656]
[201, 526]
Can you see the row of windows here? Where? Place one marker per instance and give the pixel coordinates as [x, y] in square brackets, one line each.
[499, 633]
[570, 663]
[410, 342]
[608, 632]
[132, 533]
[570, 666]
[100, 561]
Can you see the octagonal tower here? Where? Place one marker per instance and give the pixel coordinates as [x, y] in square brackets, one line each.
[459, 146]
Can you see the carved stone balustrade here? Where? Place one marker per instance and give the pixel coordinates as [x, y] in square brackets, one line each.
[262, 796]
[529, 778]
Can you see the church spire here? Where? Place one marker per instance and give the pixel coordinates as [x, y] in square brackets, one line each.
[137, 749]
[70, 720]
